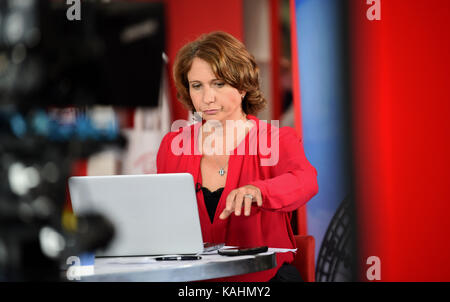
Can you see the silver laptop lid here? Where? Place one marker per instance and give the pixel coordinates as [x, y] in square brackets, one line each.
[153, 214]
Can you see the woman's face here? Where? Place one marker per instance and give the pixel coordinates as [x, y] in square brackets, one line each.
[212, 97]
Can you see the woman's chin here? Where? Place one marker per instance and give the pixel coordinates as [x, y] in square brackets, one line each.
[213, 117]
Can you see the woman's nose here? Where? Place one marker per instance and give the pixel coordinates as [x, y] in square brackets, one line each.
[208, 96]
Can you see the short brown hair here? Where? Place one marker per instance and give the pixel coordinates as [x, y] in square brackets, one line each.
[229, 60]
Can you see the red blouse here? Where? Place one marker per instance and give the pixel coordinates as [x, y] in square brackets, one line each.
[285, 177]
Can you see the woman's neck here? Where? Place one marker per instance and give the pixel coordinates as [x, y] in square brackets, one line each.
[221, 137]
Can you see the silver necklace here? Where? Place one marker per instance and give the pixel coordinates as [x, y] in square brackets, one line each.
[221, 170]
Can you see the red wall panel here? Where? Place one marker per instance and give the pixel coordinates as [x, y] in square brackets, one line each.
[302, 225]
[188, 19]
[401, 110]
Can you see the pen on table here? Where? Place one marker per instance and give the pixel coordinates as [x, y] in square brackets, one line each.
[178, 258]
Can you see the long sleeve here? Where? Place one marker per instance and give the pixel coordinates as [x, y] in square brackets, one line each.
[293, 179]
[162, 156]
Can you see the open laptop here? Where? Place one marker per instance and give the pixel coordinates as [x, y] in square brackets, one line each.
[153, 214]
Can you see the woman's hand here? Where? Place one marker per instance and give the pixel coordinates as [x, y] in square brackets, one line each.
[241, 197]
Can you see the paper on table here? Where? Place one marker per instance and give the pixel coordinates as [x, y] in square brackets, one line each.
[278, 250]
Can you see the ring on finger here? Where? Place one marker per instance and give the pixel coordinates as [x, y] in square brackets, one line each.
[249, 196]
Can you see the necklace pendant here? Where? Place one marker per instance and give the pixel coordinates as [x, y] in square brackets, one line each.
[221, 172]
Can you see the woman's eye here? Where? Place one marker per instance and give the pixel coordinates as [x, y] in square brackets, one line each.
[195, 86]
[220, 84]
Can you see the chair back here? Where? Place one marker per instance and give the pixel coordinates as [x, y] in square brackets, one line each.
[304, 258]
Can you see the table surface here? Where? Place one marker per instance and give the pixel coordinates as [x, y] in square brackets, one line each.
[142, 269]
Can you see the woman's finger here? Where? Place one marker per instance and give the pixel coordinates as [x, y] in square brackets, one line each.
[229, 205]
[238, 201]
[258, 198]
[248, 205]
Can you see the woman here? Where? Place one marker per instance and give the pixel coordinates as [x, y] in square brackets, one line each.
[246, 189]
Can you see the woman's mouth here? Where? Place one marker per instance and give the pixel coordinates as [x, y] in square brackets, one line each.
[211, 111]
